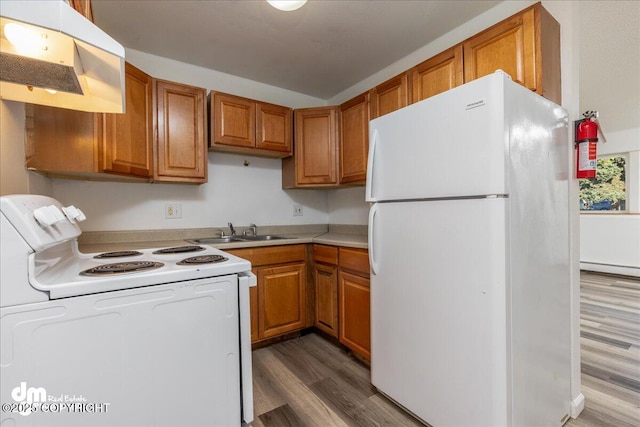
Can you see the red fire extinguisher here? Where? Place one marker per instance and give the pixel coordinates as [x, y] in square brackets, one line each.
[586, 144]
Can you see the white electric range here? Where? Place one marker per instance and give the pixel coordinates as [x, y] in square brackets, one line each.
[152, 337]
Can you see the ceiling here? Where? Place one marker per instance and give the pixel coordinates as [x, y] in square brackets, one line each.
[319, 50]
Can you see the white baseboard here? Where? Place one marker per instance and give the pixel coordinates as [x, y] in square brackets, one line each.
[611, 269]
[577, 405]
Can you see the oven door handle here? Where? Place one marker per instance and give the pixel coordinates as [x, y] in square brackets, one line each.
[246, 280]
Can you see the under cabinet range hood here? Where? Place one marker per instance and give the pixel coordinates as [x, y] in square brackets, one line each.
[52, 55]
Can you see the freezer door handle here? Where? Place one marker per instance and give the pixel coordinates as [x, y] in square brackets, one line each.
[246, 280]
[369, 183]
[371, 238]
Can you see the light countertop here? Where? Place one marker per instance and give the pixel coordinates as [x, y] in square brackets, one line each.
[334, 235]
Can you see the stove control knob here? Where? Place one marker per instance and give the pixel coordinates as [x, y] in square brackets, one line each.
[57, 214]
[74, 214]
[46, 216]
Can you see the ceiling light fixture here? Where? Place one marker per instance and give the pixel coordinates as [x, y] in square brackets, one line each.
[287, 5]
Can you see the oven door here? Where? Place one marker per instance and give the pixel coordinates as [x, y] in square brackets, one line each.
[164, 355]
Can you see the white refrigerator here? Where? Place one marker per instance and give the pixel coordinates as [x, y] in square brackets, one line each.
[469, 253]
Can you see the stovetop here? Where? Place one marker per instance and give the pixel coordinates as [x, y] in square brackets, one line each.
[82, 273]
[44, 232]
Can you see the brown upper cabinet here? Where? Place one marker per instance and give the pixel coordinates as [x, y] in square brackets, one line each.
[331, 145]
[437, 74]
[354, 140]
[63, 142]
[83, 7]
[390, 95]
[116, 147]
[315, 163]
[241, 125]
[526, 46]
[181, 139]
[128, 138]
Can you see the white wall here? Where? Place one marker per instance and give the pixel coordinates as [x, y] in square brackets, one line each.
[610, 245]
[610, 242]
[14, 178]
[235, 193]
[169, 69]
[610, 83]
[347, 206]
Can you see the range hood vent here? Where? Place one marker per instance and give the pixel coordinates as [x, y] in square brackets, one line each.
[58, 58]
[42, 74]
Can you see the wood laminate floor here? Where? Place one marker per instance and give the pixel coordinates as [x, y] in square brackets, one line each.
[308, 381]
[610, 351]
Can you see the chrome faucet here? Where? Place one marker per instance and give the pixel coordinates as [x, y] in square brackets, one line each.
[252, 228]
[233, 230]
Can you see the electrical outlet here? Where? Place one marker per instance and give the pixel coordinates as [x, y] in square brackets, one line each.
[297, 210]
[172, 210]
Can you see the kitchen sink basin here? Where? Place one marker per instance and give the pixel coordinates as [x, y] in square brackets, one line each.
[216, 240]
[264, 237]
[232, 239]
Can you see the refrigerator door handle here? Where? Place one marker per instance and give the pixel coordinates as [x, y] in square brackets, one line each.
[369, 183]
[372, 244]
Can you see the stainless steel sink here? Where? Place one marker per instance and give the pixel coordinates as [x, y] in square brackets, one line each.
[264, 237]
[216, 240]
[232, 239]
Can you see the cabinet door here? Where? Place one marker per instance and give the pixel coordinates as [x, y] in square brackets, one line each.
[182, 150]
[354, 139]
[273, 127]
[315, 147]
[355, 313]
[233, 121]
[281, 299]
[62, 141]
[390, 96]
[437, 74]
[326, 288]
[128, 138]
[509, 46]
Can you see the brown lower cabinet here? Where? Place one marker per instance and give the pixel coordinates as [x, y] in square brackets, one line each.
[279, 302]
[355, 313]
[283, 300]
[326, 287]
[325, 276]
[341, 277]
[355, 302]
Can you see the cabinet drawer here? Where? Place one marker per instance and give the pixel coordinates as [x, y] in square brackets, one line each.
[271, 255]
[326, 254]
[356, 260]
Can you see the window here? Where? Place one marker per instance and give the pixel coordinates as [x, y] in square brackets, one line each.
[607, 191]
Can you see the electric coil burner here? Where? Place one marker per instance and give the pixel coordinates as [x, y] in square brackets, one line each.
[121, 268]
[202, 259]
[178, 250]
[118, 254]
